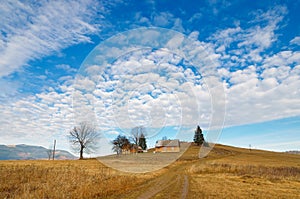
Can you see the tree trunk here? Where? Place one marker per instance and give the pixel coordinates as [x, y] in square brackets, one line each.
[81, 153]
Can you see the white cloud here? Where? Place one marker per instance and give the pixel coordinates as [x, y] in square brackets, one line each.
[251, 41]
[43, 117]
[36, 30]
[241, 76]
[281, 59]
[113, 133]
[8, 89]
[255, 98]
[148, 87]
[162, 19]
[280, 73]
[267, 89]
[84, 84]
[295, 41]
[263, 36]
[275, 145]
[195, 17]
[66, 67]
[227, 36]
[253, 94]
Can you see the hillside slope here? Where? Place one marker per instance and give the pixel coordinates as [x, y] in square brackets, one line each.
[227, 172]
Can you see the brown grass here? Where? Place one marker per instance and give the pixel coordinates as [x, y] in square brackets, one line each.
[227, 172]
[230, 172]
[271, 173]
[62, 179]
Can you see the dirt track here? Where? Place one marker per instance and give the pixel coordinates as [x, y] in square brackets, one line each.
[168, 187]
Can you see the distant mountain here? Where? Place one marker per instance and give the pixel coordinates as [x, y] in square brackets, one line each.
[293, 152]
[27, 152]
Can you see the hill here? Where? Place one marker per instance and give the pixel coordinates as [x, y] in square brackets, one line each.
[27, 152]
[227, 172]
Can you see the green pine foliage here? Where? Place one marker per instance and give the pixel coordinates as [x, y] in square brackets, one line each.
[198, 137]
[142, 142]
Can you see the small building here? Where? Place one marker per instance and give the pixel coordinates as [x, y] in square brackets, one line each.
[136, 149]
[167, 146]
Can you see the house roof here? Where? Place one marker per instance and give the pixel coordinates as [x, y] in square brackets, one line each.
[171, 143]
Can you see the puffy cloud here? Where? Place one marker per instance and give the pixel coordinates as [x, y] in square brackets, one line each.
[143, 84]
[254, 97]
[281, 59]
[150, 88]
[43, 117]
[157, 87]
[251, 41]
[280, 73]
[162, 19]
[66, 67]
[241, 76]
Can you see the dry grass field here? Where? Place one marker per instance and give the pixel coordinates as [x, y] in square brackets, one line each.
[227, 172]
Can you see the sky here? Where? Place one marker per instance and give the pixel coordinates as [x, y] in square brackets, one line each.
[232, 67]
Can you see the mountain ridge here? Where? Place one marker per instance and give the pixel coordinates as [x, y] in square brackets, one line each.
[31, 152]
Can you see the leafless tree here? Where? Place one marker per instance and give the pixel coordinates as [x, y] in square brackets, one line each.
[121, 143]
[84, 138]
[136, 134]
[49, 153]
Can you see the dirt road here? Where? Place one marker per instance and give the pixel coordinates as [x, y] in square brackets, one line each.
[173, 184]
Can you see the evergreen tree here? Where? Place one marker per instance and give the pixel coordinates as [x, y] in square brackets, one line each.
[198, 137]
[142, 142]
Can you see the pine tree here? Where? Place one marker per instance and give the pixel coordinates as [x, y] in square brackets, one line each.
[142, 142]
[198, 137]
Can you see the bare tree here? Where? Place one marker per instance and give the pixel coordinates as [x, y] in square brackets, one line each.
[120, 143]
[84, 138]
[53, 152]
[49, 153]
[137, 133]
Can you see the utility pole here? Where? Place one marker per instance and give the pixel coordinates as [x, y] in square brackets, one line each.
[54, 150]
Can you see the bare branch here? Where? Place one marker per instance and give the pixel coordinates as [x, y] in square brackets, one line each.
[84, 138]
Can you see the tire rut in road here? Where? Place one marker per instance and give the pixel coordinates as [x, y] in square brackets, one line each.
[161, 185]
[185, 188]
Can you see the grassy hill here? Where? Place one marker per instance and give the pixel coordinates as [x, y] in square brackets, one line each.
[227, 172]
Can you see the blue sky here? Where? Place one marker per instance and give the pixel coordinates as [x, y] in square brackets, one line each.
[241, 74]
